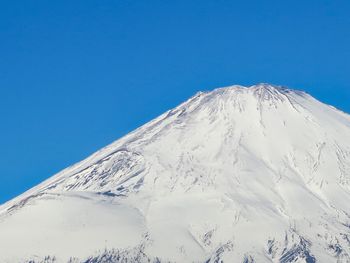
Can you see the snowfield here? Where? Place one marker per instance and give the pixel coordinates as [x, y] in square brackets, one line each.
[238, 174]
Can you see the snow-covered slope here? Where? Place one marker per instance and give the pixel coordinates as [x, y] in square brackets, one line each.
[257, 174]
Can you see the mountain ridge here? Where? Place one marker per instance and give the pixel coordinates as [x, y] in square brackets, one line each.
[195, 182]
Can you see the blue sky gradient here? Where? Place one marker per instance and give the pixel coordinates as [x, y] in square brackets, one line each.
[76, 75]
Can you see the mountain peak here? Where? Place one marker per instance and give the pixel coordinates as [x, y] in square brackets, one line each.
[266, 86]
[196, 183]
[269, 92]
[262, 90]
[275, 89]
[238, 96]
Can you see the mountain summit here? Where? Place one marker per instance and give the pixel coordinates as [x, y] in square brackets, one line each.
[256, 174]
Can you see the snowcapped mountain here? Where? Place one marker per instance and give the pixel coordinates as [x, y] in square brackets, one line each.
[257, 174]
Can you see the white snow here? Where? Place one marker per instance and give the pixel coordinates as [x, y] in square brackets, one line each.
[259, 173]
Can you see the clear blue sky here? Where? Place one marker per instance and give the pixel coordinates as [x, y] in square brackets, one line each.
[76, 75]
